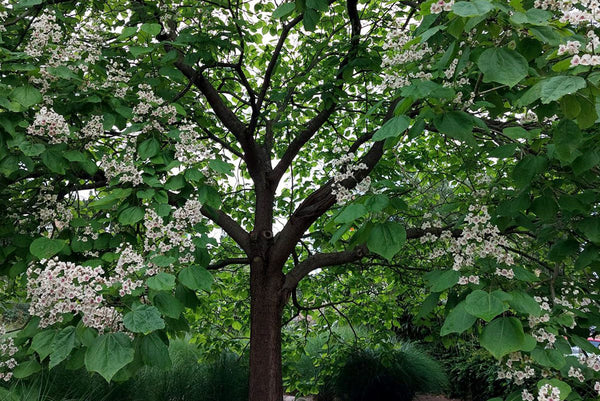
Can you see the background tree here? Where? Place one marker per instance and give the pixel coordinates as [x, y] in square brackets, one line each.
[311, 142]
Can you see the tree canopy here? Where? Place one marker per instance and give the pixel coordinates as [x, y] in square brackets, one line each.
[176, 164]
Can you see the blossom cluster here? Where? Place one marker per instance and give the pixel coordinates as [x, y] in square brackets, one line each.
[59, 288]
[398, 52]
[49, 212]
[190, 149]
[478, 239]
[578, 13]
[162, 237]
[122, 167]
[441, 5]
[51, 125]
[7, 352]
[548, 393]
[345, 169]
[517, 367]
[152, 106]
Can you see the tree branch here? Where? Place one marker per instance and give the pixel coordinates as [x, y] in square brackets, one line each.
[293, 277]
[317, 203]
[231, 227]
[317, 121]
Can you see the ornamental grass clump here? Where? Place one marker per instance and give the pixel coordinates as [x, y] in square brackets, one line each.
[384, 374]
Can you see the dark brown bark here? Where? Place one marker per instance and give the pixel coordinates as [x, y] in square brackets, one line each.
[266, 307]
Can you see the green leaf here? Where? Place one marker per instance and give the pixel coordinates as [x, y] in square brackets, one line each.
[127, 32]
[387, 239]
[45, 248]
[63, 344]
[108, 354]
[392, 128]
[155, 352]
[472, 8]
[351, 213]
[220, 166]
[163, 260]
[54, 160]
[447, 279]
[151, 29]
[457, 125]
[168, 305]
[26, 96]
[590, 226]
[196, 278]
[524, 303]
[26, 369]
[458, 320]
[548, 357]
[484, 305]
[503, 65]
[284, 10]
[131, 215]
[502, 336]
[528, 168]
[311, 19]
[28, 3]
[148, 149]
[42, 343]
[556, 87]
[321, 5]
[32, 149]
[161, 282]
[143, 319]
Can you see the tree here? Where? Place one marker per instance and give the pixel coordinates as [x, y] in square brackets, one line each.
[145, 144]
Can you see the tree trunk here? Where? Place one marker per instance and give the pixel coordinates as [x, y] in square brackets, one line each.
[266, 306]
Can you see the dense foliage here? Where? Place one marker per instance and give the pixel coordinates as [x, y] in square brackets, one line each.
[227, 167]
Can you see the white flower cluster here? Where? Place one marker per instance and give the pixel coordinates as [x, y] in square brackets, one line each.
[116, 79]
[153, 106]
[597, 387]
[478, 239]
[472, 279]
[576, 373]
[190, 149]
[398, 52]
[548, 393]
[441, 5]
[161, 237]
[50, 212]
[518, 374]
[93, 128]
[7, 352]
[3, 16]
[129, 265]
[122, 167]
[585, 13]
[345, 169]
[51, 125]
[66, 288]
[592, 361]
[527, 396]
[541, 335]
[44, 31]
[572, 47]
